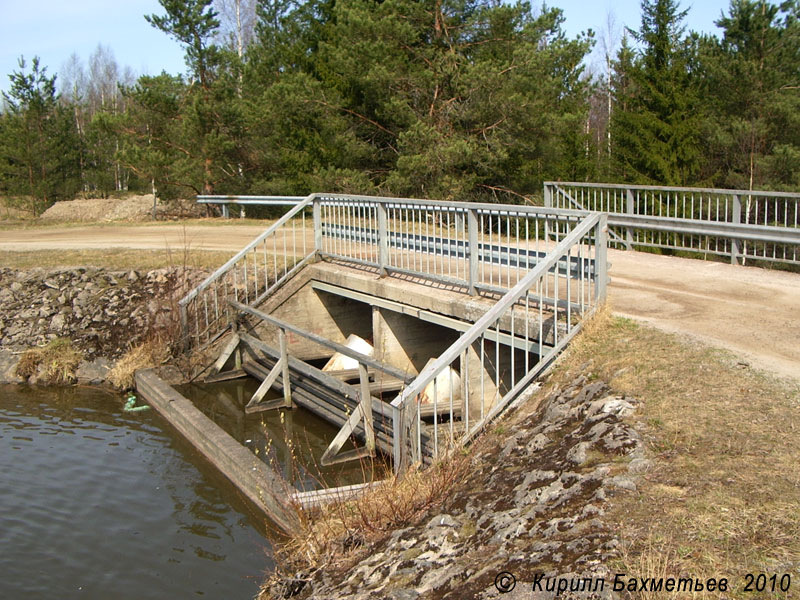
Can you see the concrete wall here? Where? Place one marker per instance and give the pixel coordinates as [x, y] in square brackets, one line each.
[330, 316]
[408, 343]
[401, 340]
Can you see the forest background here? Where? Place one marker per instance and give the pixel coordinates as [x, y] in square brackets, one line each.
[442, 99]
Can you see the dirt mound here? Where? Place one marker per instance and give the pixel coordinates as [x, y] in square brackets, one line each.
[132, 208]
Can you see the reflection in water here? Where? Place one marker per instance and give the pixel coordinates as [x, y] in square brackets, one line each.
[291, 441]
[98, 503]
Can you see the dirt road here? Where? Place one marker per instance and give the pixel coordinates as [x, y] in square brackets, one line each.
[755, 313]
[752, 312]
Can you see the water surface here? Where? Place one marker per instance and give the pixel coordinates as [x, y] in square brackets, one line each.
[98, 503]
[291, 441]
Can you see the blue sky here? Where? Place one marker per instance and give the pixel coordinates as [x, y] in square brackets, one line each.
[54, 29]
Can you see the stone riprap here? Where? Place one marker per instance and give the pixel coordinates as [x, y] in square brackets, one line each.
[102, 312]
[532, 505]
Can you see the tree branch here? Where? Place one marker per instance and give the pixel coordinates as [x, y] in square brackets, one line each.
[506, 191]
[358, 115]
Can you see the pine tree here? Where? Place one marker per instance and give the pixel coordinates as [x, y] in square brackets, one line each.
[39, 156]
[751, 80]
[656, 125]
[210, 116]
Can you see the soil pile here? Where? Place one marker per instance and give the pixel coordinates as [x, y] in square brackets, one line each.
[133, 208]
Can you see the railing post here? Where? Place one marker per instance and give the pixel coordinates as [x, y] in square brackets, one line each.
[474, 255]
[737, 218]
[285, 376]
[628, 211]
[414, 432]
[383, 239]
[237, 353]
[400, 439]
[225, 212]
[317, 213]
[184, 315]
[548, 195]
[366, 404]
[601, 258]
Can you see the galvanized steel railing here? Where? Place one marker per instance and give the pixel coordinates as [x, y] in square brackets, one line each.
[737, 223]
[250, 276]
[476, 246]
[493, 361]
[243, 201]
[547, 266]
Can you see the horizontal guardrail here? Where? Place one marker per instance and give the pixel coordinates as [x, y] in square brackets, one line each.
[741, 224]
[477, 246]
[224, 201]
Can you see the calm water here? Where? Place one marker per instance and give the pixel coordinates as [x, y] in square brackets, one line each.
[292, 441]
[98, 503]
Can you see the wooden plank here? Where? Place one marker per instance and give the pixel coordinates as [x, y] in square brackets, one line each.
[265, 488]
[226, 353]
[306, 370]
[226, 376]
[311, 398]
[265, 386]
[333, 454]
[383, 384]
[386, 386]
[339, 394]
[348, 374]
[314, 498]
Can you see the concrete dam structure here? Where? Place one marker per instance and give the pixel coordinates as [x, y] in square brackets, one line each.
[408, 324]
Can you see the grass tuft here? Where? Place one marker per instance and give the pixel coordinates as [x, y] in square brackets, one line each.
[53, 364]
[334, 536]
[152, 353]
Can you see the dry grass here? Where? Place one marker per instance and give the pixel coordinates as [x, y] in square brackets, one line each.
[53, 364]
[119, 259]
[151, 353]
[333, 537]
[722, 498]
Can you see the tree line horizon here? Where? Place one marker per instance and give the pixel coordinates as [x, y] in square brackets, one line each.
[442, 99]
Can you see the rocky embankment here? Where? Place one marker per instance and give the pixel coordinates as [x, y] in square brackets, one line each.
[532, 505]
[103, 313]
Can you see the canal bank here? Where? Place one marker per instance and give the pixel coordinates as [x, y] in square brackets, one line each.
[529, 498]
[100, 313]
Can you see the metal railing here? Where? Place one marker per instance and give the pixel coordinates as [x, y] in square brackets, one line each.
[493, 361]
[481, 247]
[249, 277]
[547, 267]
[242, 201]
[742, 224]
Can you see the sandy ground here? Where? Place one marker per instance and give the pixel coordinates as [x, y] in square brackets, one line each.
[754, 313]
